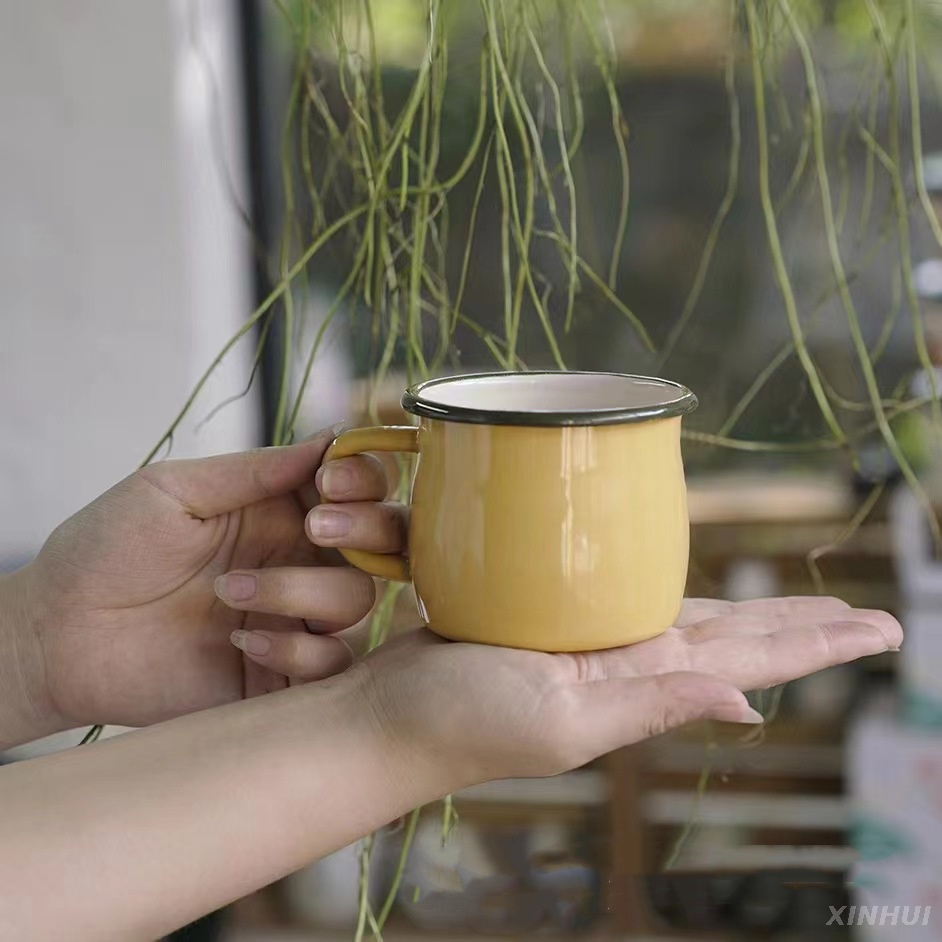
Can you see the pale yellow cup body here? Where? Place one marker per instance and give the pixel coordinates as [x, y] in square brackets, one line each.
[554, 539]
[549, 510]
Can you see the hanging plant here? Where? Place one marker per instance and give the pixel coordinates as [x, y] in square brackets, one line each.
[424, 136]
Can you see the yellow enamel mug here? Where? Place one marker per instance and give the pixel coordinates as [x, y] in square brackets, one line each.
[549, 509]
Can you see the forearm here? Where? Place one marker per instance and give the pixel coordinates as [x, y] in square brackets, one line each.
[133, 837]
[25, 712]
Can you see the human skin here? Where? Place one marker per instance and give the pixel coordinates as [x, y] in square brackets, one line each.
[126, 617]
[116, 620]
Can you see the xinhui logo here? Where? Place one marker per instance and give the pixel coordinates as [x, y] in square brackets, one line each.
[880, 916]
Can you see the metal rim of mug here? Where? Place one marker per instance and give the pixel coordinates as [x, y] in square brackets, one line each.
[416, 404]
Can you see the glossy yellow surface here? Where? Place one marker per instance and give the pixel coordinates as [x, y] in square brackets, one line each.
[555, 539]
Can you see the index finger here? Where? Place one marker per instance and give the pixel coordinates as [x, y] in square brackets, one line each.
[755, 660]
[758, 662]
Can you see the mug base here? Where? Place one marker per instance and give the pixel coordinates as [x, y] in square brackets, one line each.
[549, 645]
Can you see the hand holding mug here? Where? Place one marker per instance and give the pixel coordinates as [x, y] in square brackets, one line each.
[116, 621]
[562, 529]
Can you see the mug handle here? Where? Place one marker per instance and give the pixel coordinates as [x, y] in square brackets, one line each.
[389, 566]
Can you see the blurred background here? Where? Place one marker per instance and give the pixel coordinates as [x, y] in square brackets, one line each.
[159, 178]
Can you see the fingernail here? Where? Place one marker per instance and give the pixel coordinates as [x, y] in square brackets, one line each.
[251, 642]
[236, 587]
[734, 713]
[335, 478]
[857, 626]
[332, 430]
[328, 523]
[316, 627]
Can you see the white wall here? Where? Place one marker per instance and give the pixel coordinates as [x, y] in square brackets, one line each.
[123, 263]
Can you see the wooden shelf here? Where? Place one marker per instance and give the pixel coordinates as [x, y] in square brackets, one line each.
[805, 760]
[758, 500]
[799, 812]
[583, 788]
[820, 858]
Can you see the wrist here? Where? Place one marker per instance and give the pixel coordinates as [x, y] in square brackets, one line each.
[27, 712]
[415, 768]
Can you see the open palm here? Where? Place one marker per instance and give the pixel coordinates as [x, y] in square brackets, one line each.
[497, 712]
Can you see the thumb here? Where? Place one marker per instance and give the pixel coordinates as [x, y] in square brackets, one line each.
[623, 711]
[207, 487]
